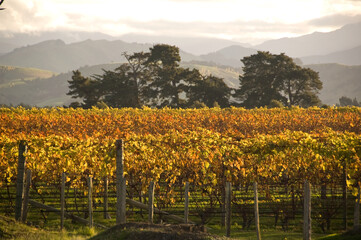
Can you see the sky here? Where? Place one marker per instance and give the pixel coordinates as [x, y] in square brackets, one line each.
[245, 21]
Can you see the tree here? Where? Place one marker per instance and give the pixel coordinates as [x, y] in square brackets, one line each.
[85, 88]
[152, 79]
[210, 90]
[166, 87]
[346, 101]
[139, 76]
[301, 86]
[123, 87]
[270, 77]
[117, 88]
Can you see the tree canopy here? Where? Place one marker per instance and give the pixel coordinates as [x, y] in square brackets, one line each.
[152, 79]
[270, 77]
[346, 101]
[155, 79]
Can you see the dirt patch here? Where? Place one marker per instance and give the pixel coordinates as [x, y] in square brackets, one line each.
[143, 231]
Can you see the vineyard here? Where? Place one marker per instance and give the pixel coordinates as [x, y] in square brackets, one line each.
[205, 147]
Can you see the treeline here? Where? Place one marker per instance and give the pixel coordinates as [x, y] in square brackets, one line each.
[155, 79]
[346, 101]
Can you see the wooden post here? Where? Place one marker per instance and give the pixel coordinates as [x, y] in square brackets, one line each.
[186, 202]
[151, 202]
[344, 195]
[106, 184]
[90, 201]
[20, 180]
[228, 208]
[307, 212]
[62, 200]
[356, 220]
[26, 196]
[256, 210]
[121, 184]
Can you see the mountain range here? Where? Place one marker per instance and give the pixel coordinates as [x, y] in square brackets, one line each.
[59, 53]
[317, 43]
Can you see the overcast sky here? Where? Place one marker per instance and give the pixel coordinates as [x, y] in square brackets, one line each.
[247, 21]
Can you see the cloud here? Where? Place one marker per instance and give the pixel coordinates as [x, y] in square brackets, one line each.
[336, 20]
[206, 1]
[246, 21]
[244, 31]
[20, 17]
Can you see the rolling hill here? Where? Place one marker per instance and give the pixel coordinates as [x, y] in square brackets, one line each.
[230, 56]
[347, 37]
[57, 56]
[338, 80]
[347, 57]
[52, 91]
[11, 40]
[10, 76]
[194, 45]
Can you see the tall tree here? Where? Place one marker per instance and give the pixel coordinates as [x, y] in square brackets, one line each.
[84, 88]
[270, 77]
[139, 76]
[152, 79]
[301, 86]
[117, 88]
[346, 101]
[259, 84]
[209, 90]
[166, 87]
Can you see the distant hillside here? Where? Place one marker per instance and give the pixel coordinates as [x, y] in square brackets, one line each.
[52, 91]
[15, 75]
[228, 73]
[10, 40]
[316, 43]
[55, 55]
[338, 80]
[230, 56]
[347, 57]
[194, 45]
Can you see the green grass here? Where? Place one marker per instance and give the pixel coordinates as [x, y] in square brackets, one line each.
[275, 234]
[50, 224]
[10, 229]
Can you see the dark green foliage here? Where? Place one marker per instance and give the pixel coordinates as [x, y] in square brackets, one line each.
[270, 77]
[167, 75]
[275, 104]
[152, 79]
[86, 88]
[345, 101]
[210, 90]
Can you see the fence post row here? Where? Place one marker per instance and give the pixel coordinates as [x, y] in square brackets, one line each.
[22, 197]
[121, 183]
[256, 210]
[20, 180]
[307, 211]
